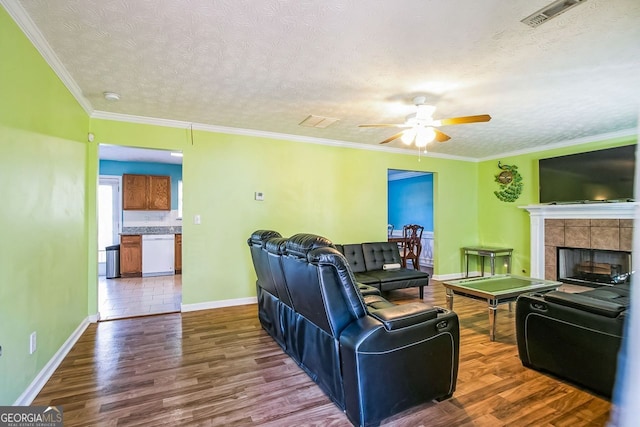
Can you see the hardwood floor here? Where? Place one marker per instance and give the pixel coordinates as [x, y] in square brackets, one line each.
[219, 368]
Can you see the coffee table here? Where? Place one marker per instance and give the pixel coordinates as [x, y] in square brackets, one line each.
[496, 290]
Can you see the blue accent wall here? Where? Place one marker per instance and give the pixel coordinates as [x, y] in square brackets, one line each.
[112, 167]
[410, 201]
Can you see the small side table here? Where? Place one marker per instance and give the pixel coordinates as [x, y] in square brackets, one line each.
[487, 251]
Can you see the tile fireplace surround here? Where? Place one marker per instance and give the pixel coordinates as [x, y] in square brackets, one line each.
[606, 226]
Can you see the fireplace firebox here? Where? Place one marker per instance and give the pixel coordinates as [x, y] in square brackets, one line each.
[593, 267]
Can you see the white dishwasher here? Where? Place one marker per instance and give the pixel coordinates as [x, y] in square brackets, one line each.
[158, 252]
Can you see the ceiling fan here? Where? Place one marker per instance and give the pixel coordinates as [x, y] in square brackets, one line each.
[420, 127]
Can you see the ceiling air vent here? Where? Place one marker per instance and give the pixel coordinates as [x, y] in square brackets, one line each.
[317, 121]
[550, 11]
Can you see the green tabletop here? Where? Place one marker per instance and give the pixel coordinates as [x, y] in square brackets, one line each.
[496, 290]
[496, 286]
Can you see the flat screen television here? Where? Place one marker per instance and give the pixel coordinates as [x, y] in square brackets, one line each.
[601, 175]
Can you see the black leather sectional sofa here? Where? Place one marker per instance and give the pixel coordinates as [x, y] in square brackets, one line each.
[575, 336]
[371, 357]
[367, 261]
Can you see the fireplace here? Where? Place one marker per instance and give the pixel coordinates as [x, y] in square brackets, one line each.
[589, 226]
[593, 267]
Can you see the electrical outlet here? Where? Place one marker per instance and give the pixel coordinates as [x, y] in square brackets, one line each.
[32, 343]
[259, 195]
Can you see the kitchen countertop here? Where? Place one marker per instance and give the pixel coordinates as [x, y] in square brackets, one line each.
[151, 230]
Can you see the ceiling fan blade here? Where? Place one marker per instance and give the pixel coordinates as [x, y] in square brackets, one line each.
[441, 136]
[465, 119]
[385, 125]
[392, 137]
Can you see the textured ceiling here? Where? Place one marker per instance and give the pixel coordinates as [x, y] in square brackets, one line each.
[267, 65]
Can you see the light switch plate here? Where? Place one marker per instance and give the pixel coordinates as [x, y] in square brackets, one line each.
[32, 343]
[196, 219]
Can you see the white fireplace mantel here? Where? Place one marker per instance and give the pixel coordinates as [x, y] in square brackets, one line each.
[596, 210]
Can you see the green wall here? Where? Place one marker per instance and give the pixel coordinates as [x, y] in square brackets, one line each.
[48, 259]
[337, 192]
[43, 256]
[504, 223]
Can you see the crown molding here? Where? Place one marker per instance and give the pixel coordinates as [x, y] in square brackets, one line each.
[31, 31]
[104, 115]
[569, 143]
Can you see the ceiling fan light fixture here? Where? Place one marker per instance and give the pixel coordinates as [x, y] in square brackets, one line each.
[408, 136]
[424, 135]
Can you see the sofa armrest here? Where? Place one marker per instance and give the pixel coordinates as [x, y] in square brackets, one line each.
[383, 369]
[403, 315]
[581, 302]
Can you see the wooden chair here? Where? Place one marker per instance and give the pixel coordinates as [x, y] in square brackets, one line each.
[412, 245]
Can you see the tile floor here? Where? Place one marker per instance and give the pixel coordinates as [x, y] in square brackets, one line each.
[138, 296]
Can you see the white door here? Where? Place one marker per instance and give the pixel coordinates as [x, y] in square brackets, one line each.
[109, 214]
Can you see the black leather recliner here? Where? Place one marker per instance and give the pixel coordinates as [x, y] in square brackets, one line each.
[575, 336]
[372, 360]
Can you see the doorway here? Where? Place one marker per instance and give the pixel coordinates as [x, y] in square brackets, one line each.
[156, 293]
[410, 200]
[109, 214]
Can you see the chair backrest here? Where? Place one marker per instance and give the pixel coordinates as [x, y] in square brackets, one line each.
[260, 259]
[412, 231]
[321, 284]
[275, 248]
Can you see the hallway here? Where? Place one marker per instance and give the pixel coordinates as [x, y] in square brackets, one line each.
[138, 296]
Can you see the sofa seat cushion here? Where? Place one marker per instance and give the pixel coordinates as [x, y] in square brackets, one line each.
[399, 279]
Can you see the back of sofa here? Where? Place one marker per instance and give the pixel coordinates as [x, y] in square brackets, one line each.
[354, 255]
[266, 289]
[320, 283]
[377, 254]
[363, 257]
[275, 248]
[257, 243]
[326, 300]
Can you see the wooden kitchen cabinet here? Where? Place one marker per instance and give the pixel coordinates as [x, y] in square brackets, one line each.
[159, 193]
[134, 192]
[131, 256]
[146, 192]
[178, 253]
